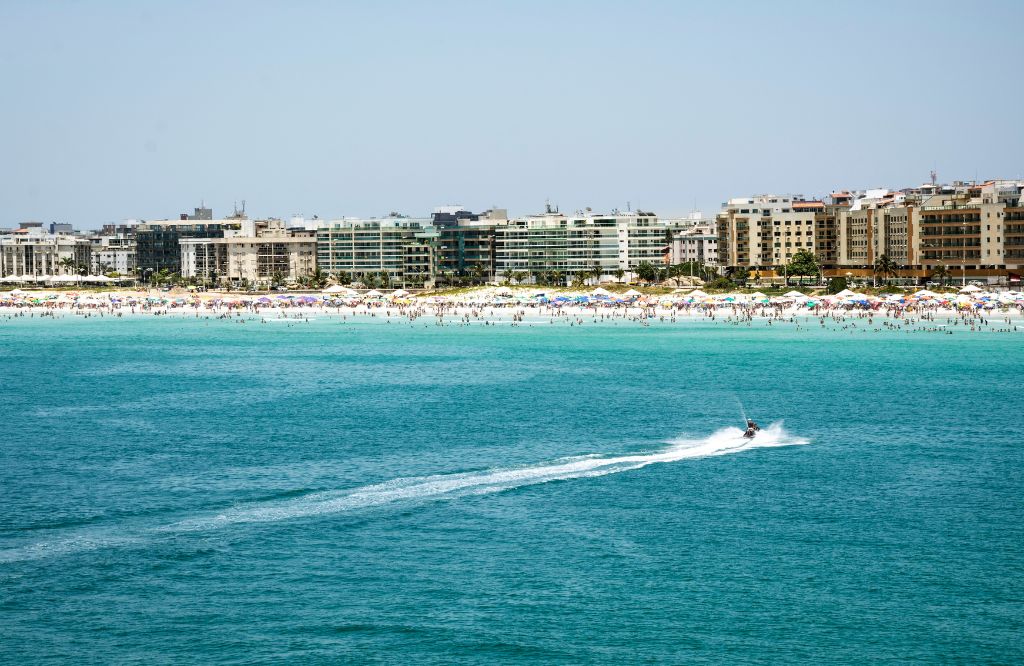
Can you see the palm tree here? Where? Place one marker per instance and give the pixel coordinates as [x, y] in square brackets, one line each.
[941, 274]
[67, 263]
[885, 267]
[618, 273]
[478, 273]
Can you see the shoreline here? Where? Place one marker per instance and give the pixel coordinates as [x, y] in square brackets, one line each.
[489, 307]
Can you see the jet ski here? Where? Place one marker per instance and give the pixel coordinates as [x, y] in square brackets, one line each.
[751, 430]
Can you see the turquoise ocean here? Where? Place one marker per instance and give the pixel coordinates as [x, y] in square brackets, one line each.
[176, 490]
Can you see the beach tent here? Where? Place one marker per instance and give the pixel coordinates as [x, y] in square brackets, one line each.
[600, 292]
[845, 293]
[632, 293]
[399, 293]
[970, 289]
[697, 293]
[373, 293]
[794, 294]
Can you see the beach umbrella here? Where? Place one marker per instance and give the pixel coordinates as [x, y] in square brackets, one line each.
[845, 293]
[373, 293]
[970, 289]
[632, 293]
[600, 292]
[795, 294]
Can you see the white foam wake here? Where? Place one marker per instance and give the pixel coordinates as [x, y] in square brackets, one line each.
[446, 486]
[414, 489]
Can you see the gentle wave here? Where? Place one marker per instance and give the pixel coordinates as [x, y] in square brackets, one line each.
[420, 489]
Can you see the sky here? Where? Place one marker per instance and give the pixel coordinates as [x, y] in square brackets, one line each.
[141, 110]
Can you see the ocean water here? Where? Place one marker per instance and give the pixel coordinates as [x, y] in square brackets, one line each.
[176, 490]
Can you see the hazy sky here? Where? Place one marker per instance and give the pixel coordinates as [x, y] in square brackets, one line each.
[116, 110]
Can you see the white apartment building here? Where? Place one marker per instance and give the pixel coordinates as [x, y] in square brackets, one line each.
[697, 244]
[113, 253]
[33, 252]
[581, 243]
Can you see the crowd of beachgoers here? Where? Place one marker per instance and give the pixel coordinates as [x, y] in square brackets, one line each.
[970, 307]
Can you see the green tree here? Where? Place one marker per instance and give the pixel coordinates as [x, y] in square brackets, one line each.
[836, 285]
[647, 272]
[618, 273]
[802, 264]
[478, 273]
[67, 263]
[276, 279]
[941, 274]
[885, 267]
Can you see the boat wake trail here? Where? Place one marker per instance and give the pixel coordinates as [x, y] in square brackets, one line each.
[431, 488]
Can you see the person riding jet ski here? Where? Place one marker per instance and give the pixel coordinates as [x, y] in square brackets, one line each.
[751, 429]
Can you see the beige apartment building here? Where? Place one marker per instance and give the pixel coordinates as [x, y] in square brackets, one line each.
[255, 253]
[974, 231]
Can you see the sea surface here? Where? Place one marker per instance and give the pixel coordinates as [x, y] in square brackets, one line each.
[176, 490]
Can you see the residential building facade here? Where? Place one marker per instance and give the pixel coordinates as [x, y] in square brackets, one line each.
[375, 249]
[259, 253]
[697, 244]
[971, 230]
[34, 252]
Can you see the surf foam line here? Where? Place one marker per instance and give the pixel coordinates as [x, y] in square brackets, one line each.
[414, 490]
